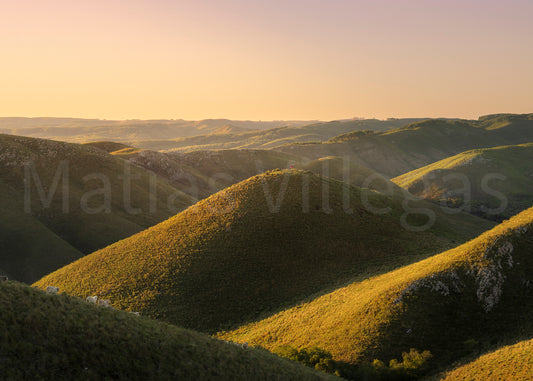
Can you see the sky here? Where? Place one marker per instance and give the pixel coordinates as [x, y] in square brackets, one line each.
[265, 60]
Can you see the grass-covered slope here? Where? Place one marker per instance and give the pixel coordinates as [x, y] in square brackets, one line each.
[60, 337]
[467, 298]
[494, 183]
[257, 246]
[60, 200]
[512, 362]
[399, 151]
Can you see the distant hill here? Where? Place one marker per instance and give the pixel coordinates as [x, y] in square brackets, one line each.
[453, 304]
[260, 245]
[229, 129]
[58, 337]
[494, 183]
[512, 362]
[393, 153]
[85, 130]
[270, 138]
[60, 201]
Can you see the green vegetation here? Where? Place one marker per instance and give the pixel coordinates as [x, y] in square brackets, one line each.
[36, 238]
[257, 246]
[57, 337]
[473, 296]
[462, 181]
[312, 357]
[512, 362]
[413, 364]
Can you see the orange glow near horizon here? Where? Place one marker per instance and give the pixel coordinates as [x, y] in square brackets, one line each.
[251, 59]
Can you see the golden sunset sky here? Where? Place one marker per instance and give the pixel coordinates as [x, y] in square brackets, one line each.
[264, 60]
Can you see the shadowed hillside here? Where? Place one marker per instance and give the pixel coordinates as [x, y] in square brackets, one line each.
[60, 337]
[494, 183]
[202, 173]
[465, 299]
[62, 200]
[257, 246]
[399, 151]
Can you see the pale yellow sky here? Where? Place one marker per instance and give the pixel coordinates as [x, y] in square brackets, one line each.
[251, 59]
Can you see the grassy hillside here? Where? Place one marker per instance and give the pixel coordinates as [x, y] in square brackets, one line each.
[512, 362]
[257, 246]
[458, 181]
[56, 337]
[452, 304]
[399, 151]
[62, 200]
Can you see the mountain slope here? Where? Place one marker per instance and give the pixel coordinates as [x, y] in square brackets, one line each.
[512, 362]
[471, 179]
[62, 337]
[479, 292]
[257, 246]
[60, 200]
[399, 151]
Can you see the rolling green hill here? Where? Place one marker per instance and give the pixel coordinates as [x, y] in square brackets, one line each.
[463, 300]
[60, 337]
[469, 181]
[259, 245]
[512, 362]
[62, 200]
[393, 153]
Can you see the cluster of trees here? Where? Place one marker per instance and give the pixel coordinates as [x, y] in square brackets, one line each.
[412, 366]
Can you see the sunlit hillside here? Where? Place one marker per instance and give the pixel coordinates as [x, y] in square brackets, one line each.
[258, 246]
[453, 304]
